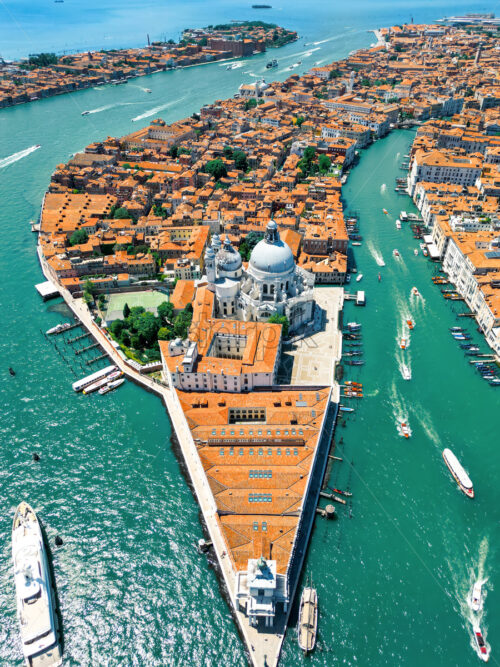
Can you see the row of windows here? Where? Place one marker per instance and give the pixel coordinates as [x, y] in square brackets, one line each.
[260, 474]
[260, 432]
[260, 498]
[260, 451]
[256, 525]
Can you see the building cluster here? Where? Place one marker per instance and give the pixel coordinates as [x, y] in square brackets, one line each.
[32, 79]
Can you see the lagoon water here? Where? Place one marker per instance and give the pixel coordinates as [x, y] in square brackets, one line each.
[393, 571]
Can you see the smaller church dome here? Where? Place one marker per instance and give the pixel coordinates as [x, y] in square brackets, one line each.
[228, 259]
[216, 242]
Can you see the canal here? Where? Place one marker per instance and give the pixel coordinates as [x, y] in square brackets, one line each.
[393, 578]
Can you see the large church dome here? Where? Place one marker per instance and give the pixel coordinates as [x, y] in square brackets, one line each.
[272, 255]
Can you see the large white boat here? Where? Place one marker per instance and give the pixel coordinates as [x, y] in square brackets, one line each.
[405, 372]
[111, 385]
[102, 382]
[461, 477]
[308, 619]
[476, 598]
[58, 328]
[34, 591]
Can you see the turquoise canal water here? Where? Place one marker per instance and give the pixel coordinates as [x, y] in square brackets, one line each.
[393, 570]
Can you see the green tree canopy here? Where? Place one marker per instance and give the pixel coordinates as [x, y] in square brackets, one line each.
[216, 168]
[121, 213]
[240, 160]
[324, 163]
[126, 311]
[280, 319]
[165, 312]
[79, 236]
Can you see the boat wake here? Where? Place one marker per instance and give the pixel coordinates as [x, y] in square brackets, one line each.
[383, 189]
[398, 155]
[335, 37]
[399, 408]
[417, 301]
[376, 254]
[107, 107]
[6, 161]
[424, 418]
[155, 110]
[404, 364]
[300, 53]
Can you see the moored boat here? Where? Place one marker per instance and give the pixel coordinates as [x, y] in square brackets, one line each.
[359, 277]
[308, 619]
[483, 648]
[34, 591]
[353, 326]
[111, 385]
[58, 328]
[102, 382]
[460, 476]
[344, 408]
[398, 224]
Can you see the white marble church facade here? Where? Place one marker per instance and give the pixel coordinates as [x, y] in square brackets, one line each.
[271, 284]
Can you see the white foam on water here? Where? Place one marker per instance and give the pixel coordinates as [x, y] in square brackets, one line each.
[152, 112]
[6, 161]
[376, 254]
[403, 360]
[300, 53]
[383, 189]
[399, 408]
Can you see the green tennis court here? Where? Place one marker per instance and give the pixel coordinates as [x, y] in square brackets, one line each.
[149, 300]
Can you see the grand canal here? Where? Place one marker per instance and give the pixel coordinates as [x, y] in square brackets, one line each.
[392, 573]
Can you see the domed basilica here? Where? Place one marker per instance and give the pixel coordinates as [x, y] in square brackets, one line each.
[272, 283]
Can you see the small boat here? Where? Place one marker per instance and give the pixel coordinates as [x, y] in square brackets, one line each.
[405, 372]
[146, 90]
[34, 591]
[356, 243]
[344, 408]
[379, 277]
[360, 277]
[385, 212]
[476, 598]
[415, 252]
[354, 384]
[415, 291]
[58, 328]
[459, 474]
[410, 323]
[396, 254]
[495, 382]
[272, 63]
[404, 342]
[85, 113]
[404, 429]
[102, 382]
[398, 224]
[111, 385]
[12, 371]
[354, 325]
[484, 651]
[308, 619]
[347, 494]
[456, 329]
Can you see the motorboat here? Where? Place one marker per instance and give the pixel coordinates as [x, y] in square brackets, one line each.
[404, 429]
[34, 591]
[460, 476]
[404, 342]
[398, 224]
[484, 651]
[415, 291]
[85, 113]
[410, 323]
[379, 277]
[476, 598]
[58, 328]
[348, 278]
[415, 252]
[110, 386]
[307, 626]
[353, 326]
[396, 254]
[356, 243]
[344, 408]
[405, 372]
[456, 329]
[146, 90]
[97, 386]
[272, 63]
[359, 277]
[385, 211]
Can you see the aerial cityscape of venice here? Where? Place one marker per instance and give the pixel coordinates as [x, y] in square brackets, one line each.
[251, 333]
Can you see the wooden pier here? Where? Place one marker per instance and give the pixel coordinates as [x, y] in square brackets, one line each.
[70, 341]
[85, 349]
[89, 362]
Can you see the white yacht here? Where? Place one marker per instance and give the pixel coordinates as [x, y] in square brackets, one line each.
[359, 277]
[405, 372]
[34, 591]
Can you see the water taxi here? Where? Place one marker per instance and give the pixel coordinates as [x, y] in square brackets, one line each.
[459, 474]
[356, 243]
[85, 113]
[405, 372]
[111, 385]
[308, 620]
[34, 591]
[404, 429]
[353, 326]
[360, 277]
[415, 291]
[396, 254]
[272, 63]
[410, 323]
[484, 651]
[58, 329]
[398, 224]
[404, 342]
[476, 599]
[146, 90]
[415, 252]
[95, 386]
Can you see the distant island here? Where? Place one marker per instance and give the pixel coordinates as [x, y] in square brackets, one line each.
[47, 74]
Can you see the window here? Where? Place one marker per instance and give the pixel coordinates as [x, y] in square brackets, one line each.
[256, 525]
[261, 451]
[264, 526]
[250, 451]
[250, 474]
[287, 452]
[240, 451]
[295, 451]
[231, 451]
[278, 451]
[221, 451]
[269, 451]
[261, 474]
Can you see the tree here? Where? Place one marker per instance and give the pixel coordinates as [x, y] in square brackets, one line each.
[164, 333]
[250, 104]
[216, 168]
[116, 328]
[240, 160]
[78, 237]
[280, 319]
[173, 151]
[228, 152]
[126, 311]
[334, 74]
[248, 244]
[299, 120]
[121, 213]
[89, 287]
[147, 328]
[165, 311]
[183, 321]
[324, 163]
